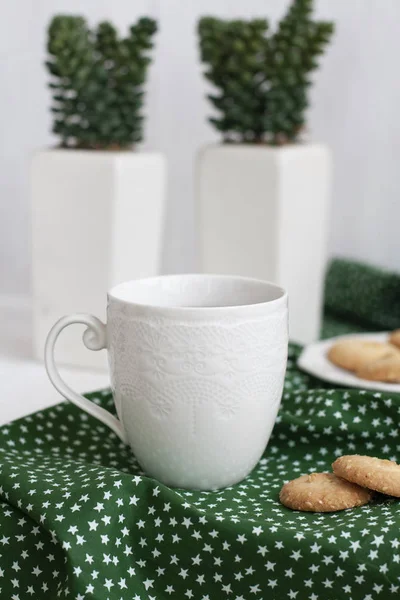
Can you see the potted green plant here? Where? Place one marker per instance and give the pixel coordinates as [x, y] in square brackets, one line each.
[263, 194]
[97, 204]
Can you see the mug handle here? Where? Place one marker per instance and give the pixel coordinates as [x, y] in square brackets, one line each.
[94, 338]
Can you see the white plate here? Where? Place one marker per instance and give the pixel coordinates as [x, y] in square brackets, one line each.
[313, 360]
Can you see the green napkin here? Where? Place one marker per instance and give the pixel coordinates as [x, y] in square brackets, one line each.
[81, 521]
[360, 297]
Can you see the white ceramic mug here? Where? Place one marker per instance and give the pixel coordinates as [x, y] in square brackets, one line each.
[197, 368]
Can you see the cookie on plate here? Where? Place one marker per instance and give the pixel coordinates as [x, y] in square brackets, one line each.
[374, 473]
[352, 354]
[387, 369]
[394, 338]
[322, 492]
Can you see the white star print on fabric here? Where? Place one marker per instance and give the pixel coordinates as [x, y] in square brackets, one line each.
[127, 537]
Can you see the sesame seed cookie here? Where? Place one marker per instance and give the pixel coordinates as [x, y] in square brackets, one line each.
[386, 369]
[353, 354]
[395, 338]
[374, 473]
[322, 492]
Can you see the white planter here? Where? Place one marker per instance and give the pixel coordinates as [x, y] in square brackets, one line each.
[263, 212]
[97, 220]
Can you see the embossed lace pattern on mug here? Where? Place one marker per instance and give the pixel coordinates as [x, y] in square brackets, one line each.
[217, 363]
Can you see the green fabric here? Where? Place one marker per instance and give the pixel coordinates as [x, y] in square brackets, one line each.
[80, 521]
[334, 326]
[360, 297]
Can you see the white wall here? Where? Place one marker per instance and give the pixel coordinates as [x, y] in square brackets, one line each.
[355, 109]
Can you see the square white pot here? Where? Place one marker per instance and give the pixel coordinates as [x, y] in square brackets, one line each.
[97, 220]
[263, 212]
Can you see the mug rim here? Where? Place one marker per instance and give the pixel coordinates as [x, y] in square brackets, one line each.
[282, 297]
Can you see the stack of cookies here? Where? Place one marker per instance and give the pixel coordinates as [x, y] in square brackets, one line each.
[354, 480]
[375, 361]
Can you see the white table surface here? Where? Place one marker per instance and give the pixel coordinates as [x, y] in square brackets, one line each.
[24, 385]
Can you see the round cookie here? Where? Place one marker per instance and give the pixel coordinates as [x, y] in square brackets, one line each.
[374, 473]
[352, 354]
[322, 492]
[395, 338]
[386, 369]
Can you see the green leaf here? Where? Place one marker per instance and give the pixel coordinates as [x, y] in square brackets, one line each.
[97, 80]
[261, 77]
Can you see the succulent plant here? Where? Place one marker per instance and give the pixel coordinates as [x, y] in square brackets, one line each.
[97, 81]
[262, 79]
